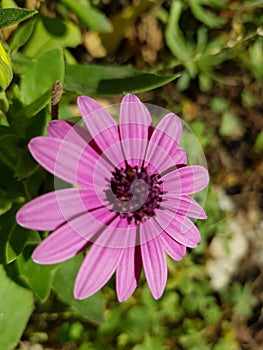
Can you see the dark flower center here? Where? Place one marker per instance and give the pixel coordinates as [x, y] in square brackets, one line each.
[134, 193]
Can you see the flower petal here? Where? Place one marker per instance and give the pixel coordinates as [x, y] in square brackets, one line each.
[59, 246]
[51, 210]
[174, 249]
[186, 180]
[91, 224]
[118, 234]
[180, 228]
[61, 129]
[165, 139]
[101, 126]
[161, 159]
[135, 121]
[86, 227]
[97, 268]
[155, 266]
[149, 230]
[128, 272]
[183, 205]
[66, 160]
[170, 125]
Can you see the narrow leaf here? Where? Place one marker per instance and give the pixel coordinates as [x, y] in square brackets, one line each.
[96, 80]
[11, 16]
[176, 41]
[90, 16]
[6, 73]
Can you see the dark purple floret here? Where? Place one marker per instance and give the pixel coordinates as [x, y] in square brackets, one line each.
[134, 193]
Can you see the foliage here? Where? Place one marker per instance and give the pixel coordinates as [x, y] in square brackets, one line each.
[43, 46]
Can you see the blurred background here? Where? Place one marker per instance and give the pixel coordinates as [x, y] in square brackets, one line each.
[203, 60]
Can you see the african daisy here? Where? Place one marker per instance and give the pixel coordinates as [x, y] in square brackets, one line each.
[129, 200]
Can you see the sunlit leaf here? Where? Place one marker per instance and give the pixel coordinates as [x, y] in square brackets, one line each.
[175, 39]
[50, 33]
[89, 15]
[6, 73]
[205, 16]
[16, 306]
[21, 35]
[40, 75]
[90, 308]
[36, 106]
[38, 277]
[96, 80]
[11, 16]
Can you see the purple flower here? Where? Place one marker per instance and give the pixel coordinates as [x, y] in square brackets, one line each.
[129, 200]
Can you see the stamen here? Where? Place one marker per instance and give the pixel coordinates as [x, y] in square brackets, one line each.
[134, 193]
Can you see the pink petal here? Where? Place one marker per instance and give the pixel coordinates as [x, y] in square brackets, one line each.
[58, 129]
[97, 268]
[155, 267]
[161, 159]
[183, 205]
[186, 180]
[101, 126]
[180, 228]
[163, 145]
[128, 272]
[61, 129]
[171, 126]
[68, 161]
[134, 150]
[149, 230]
[118, 234]
[91, 225]
[51, 210]
[174, 249]
[135, 121]
[61, 245]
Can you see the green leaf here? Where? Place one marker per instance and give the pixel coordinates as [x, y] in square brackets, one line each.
[13, 237]
[258, 146]
[38, 277]
[21, 35]
[89, 15]
[36, 106]
[6, 73]
[176, 41]
[17, 239]
[5, 203]
[12, 189]
[96, 80]
[16, 306]
[12, 16]
[41, 74]
[37, 124]
[9, 147]
[90, 308]
[29, 121]
[51, 33]
[243, 299]
[230, 124]
[25, 166]
[246, 5]
[205, 16]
